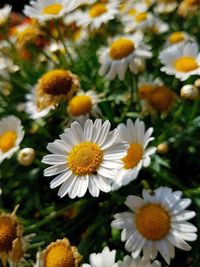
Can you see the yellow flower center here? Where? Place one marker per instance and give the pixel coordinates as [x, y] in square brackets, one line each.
[186, 64]
[8, 233]
[27, 36]
[145, 90]
[85, 158]
[160, 98]
[53, 9]
[55, 82]
[133, 157]
[59, 256]
[80, 105]
[121, 48]
[176, 37]
[97, 10]
[152, 221]
[132, 11]
[7, 140]
[192, 2]
[141, 17]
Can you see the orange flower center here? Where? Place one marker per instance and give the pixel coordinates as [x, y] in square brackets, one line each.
[176, 37]
[85, 158]
[80, 105]
[7, 140]
[55, 82]
[8, 233]
[152, 221]
[59, 255]
[133, 157]
[141, 17]
[192, 2]
[97, 10]
[121, 48]
[145, 90]
[160, 98]
[53, 9]
[132, 12]
[186, 64]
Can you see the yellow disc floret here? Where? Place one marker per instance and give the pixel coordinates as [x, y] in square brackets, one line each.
[133, 157]
[141, 17]
[59, 255]
[192, 2]
[132, 12]
[80, 105]
[85, 158]
[97, 10]
[160, 98]
[153, 222]
[55, 82]
[8, 233]
[186, 64]
[27, 36]
[145, 90]
[121, 48]
[53, 9]
[54, 87]
[7, 140]
[176, 37]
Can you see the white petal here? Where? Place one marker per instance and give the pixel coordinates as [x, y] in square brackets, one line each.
[55, 169]
[134, 202]
[58, 180]
[54, 159]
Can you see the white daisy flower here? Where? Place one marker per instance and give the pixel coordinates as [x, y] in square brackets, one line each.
[158, 222]
[46, 10]
[159, 26]
[104, 259]
[98, 14]
[7, 67]
[84, 103]
[121, 54]
[178, 38]
[182, 60]
[72, 17]
[86, 157]
[130, 9]
[11, 135]
[165, 7]
[138, 155]
[4, 14]
[31, 106]
[59, 254]
[141, 21]
[137, 262]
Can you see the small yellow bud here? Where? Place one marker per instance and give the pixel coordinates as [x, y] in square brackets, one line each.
[163, 148]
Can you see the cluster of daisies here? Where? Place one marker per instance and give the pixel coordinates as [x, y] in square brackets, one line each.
[91, 155]
[156, 223]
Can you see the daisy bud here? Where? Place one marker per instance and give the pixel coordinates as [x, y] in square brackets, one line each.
[197, 83]
[26, 156]
[189, 92]
[163, 148]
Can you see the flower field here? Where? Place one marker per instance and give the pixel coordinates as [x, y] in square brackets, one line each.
[100, 134]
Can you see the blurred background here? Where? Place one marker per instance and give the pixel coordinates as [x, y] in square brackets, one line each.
[16, 4]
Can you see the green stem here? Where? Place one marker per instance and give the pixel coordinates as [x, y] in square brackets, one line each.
[163, 135]
[131, 84]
